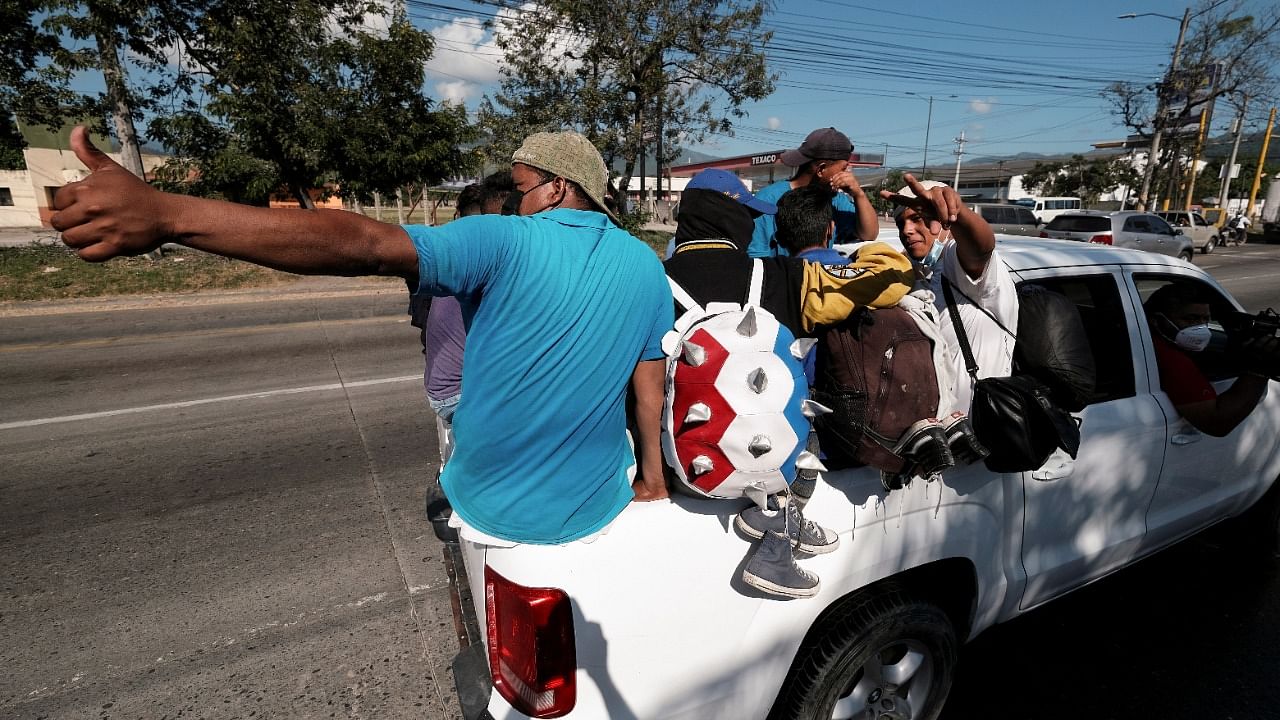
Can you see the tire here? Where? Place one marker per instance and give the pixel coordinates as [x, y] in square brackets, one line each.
[1188, 256]
[1208, 247]
[887, 653]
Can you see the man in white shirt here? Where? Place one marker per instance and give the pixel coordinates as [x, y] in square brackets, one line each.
[1241, 228]
[946, 241]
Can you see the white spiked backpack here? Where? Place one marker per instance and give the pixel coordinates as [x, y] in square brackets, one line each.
[735, 418]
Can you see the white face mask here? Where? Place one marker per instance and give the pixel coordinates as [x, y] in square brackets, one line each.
[1193, 338]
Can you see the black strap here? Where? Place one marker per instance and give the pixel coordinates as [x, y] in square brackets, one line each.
[978, 306]
[970, 364]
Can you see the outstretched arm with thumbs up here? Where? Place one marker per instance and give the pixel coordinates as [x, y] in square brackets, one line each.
[113, 213]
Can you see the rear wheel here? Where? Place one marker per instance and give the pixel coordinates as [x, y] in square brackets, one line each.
[1209, 246]
[886, 656]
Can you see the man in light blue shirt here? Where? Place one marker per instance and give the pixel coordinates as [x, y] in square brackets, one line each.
[572, 311]
[822, 159]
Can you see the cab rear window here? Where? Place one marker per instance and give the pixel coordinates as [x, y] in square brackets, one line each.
[1079, 223]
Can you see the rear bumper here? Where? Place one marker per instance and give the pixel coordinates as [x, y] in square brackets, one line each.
[471, 678]
[473, 683]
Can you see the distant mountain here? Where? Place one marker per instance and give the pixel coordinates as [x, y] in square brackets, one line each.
[1019, 156]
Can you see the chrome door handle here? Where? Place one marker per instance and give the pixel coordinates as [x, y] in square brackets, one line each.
[1056, 472]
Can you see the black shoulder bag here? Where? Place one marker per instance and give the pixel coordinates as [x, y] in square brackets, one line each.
[1013, 416]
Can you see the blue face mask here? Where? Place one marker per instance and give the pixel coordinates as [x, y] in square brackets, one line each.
[935, 252]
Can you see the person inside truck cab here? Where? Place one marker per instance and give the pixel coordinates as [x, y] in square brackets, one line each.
[1179, 316]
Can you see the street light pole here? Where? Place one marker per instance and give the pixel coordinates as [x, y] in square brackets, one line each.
[1154, 153]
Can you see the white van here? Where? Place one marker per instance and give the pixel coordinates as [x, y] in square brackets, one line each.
[1048, 208]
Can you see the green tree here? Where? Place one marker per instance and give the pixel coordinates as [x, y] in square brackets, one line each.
[1085, 178]
[1227, 51]
[892, 181]
[627, 73]
[304, 96]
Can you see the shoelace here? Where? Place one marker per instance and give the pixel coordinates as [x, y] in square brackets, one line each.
[804, 524]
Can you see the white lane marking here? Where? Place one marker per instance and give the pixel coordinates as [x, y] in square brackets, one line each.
[205, 401]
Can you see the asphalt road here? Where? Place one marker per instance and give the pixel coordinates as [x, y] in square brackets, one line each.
[172, 544]
[215, 510]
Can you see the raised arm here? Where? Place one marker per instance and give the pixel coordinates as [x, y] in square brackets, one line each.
[113, 213]
[868, 224]
[942, 207]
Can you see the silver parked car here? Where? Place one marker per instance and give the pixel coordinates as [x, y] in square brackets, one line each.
[1139, 231]
[1008, 219]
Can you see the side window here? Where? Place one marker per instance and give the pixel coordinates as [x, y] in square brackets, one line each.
[1214, 361]
[1160, 226]
[1074, 204]
[1199, 220]
[6, 196]
[991, 215]
[1102, 315]
[1137, 224]
[1008, 216]
[1025, 217]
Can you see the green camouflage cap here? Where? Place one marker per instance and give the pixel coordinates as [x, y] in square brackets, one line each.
[572, 157]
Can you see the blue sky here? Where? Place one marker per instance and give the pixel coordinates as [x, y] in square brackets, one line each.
[1013, 76]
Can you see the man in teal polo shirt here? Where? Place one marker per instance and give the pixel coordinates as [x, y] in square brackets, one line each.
[571, 311]
[823, 160]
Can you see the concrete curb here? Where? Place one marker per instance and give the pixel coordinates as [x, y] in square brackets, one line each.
[303, 289]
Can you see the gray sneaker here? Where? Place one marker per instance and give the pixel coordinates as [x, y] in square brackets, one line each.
[772, 568]
[806, 535]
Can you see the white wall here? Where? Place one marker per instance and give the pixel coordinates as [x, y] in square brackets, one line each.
[24, 212]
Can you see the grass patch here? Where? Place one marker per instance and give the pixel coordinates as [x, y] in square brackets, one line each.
[52, 272]
[656, 239]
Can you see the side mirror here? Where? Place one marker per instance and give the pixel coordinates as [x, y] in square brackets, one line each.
[1177, 231]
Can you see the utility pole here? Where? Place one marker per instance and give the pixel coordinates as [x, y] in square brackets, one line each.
[1153, 156]
[658, 159]
[959, 151]
[1195, 159]
[924, 169]
[1262, 160]
[1224, 195]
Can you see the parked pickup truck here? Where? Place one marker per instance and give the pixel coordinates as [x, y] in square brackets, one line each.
[652, 620]
[1204, 236]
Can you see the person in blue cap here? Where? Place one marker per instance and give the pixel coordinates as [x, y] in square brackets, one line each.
[711, 264]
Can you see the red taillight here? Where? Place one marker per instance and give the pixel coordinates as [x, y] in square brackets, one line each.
[1044, 235]
[1100, 239]
[532, 655]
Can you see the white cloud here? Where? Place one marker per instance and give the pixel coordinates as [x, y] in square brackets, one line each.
[982, 106]
[377, 23]
[456, 91]
[465, 51]
[774, 123]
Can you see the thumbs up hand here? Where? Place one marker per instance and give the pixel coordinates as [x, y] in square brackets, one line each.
[110, 213]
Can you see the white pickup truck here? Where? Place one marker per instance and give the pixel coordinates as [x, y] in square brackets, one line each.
[651, 620]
